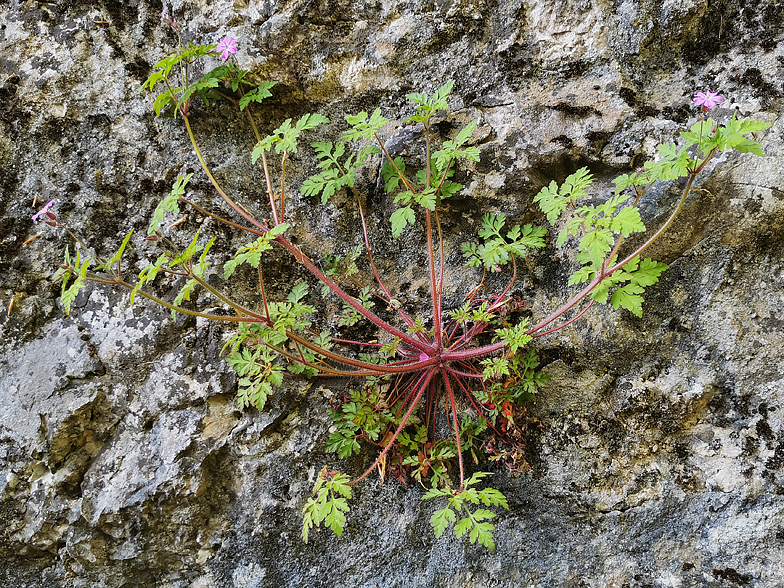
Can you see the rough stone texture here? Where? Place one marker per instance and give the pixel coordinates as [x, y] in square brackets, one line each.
[124, 461]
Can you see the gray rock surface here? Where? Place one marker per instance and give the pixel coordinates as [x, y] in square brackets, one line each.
[123, 459]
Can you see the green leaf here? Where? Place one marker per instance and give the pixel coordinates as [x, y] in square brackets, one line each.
[364, 128]
[169, 204]
[334, 176]
[311, 121]
[471, 253]
[200, 268]
[430, 104]
[278, 229]
[343, 445]
[516, 336]
[493, 497]
[326, 507]
[629, 298]
[529, 237]
[426, 198]
[107, 266]
[451, 150]
[466, 133]
[627, 221]
[260, 148]
[390, 174]
[149, 273]
[596, 244]
[245, 362]
[307, 520]
[184, 257]
[253, 392]
[251, 253]
[258, 94]
[551, 202]
[463, 526]
[575, 186]
[749, 146]
[495, 367]
[284, 138]
[672, 163]
[476, 478]
[324, 151]
[336, 520]
[482, 533]
[200, 87]
[163, 100]
[625, 180]
[481, 514]
[584, 274]
[496, 251]
[326, 183]
[648, 272]
[440, 95]
[298, 292]
[69, 294]
[752, 126]
[441, 519]
[400, 218]
[448, 189]
[184, 294]
[492, 225]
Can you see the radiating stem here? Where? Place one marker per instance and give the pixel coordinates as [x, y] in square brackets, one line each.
[215, 184]
[433, 287]
[455, 423]
[301, 258]
[422, 387]
[220, 219]
[216, 317]
[663, 228]
[400, 312]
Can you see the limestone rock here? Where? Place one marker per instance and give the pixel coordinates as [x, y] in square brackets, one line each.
[123, 459]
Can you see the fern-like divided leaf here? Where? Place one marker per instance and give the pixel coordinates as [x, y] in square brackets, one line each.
[498, 248]
[475, 523]
[638, 275]
[335, 174]
[284, 138]
[258, 94]
[428, 105]
[169, 204]
[364, 127]
[79, 269]
[251, 253]
[401, 218]
[328, 504]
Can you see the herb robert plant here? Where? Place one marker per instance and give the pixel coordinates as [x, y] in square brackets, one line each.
[419, 359]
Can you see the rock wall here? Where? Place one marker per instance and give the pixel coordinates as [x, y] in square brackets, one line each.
[124, 459]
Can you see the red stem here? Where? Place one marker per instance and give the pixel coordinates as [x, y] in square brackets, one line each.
[402, 314]
[567, 323]
[433, 287]
[300, 257]
[455, 422]
[412, 406]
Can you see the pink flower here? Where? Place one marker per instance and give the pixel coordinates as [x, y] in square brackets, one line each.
[707, 100]
[171, 21]
[226, 47]
[45, 211]
[423, 357]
